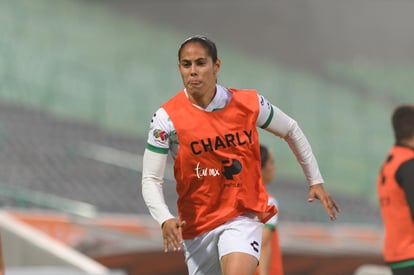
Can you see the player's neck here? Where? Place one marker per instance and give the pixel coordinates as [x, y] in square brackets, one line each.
[408, 143]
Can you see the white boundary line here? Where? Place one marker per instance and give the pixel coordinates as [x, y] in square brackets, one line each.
[118, 158]
[43, 241]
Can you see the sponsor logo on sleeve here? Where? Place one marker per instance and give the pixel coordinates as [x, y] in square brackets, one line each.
[160, 135]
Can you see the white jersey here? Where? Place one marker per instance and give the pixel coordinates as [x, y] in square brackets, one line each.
[162, 136]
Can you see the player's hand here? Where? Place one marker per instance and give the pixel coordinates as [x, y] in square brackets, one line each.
[317, 191]
[171, 233]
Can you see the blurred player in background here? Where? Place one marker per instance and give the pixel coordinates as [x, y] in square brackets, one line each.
[396, 194]
[270, 254]
[211, 133]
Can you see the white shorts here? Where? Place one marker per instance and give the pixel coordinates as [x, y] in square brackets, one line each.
[204, 252]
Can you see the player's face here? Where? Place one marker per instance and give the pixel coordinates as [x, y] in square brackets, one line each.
[198, 72]
[268, 170]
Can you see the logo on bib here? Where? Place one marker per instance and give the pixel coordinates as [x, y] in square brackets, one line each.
[231, 167]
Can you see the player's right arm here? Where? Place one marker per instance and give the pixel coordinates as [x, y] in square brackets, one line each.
[159, 143]
[152, 180]
[154, 163]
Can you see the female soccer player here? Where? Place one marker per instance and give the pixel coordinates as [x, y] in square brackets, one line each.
[211, 133]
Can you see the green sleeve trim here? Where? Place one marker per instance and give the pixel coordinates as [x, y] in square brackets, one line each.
[269, 119]
[402, 264]
[157, 149]
[270, 226]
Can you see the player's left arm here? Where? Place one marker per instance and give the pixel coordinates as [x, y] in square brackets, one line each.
[405, 178]
[282, 125]
[275, 121]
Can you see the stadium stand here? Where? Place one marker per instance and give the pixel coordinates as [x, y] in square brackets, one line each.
[76, 95]
[103, 88]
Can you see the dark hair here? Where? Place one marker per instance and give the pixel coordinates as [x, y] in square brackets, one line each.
[207, 44]
[403, 123]
[264, 155]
